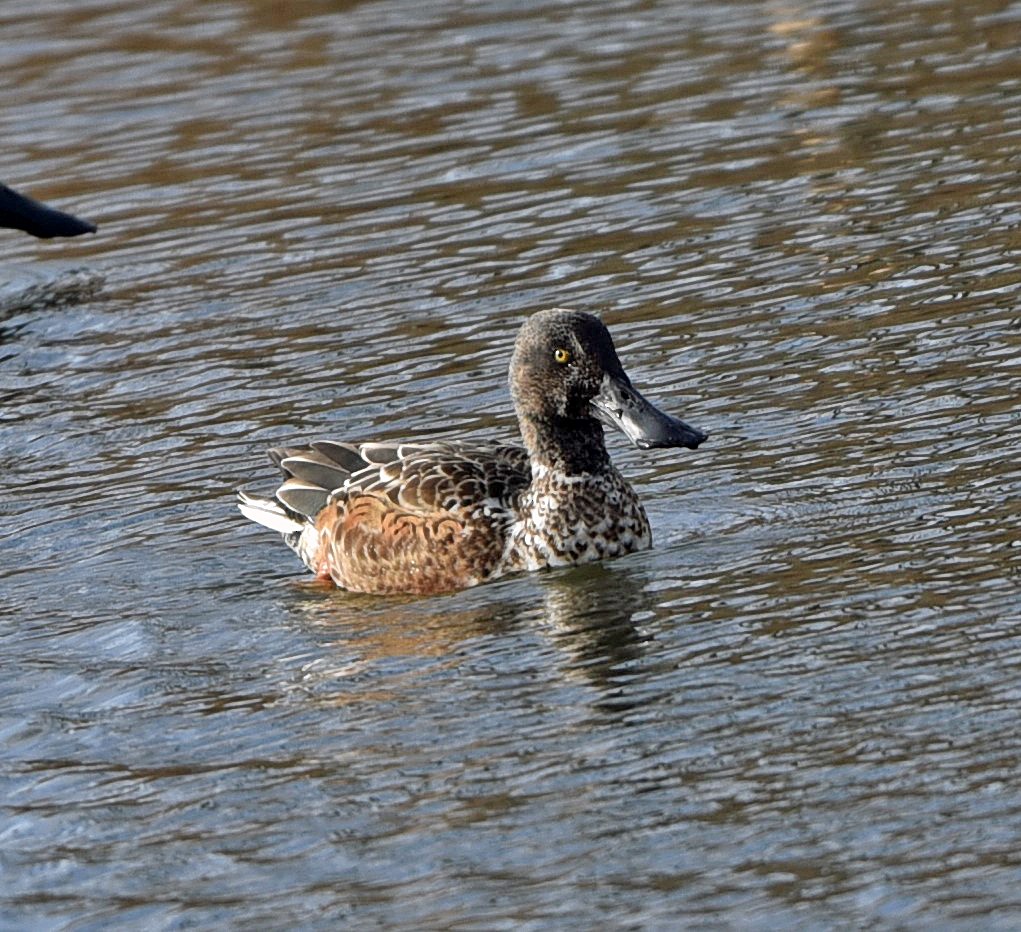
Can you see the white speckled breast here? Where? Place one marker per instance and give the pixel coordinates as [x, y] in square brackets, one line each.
[566, 520]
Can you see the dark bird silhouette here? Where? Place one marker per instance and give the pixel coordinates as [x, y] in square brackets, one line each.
[18, 212]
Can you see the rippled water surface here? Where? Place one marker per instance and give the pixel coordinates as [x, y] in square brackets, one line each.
[803, 225]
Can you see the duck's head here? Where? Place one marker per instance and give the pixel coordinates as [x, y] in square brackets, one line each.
[565, 373]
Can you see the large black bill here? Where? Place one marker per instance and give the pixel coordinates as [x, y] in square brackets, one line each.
[620, 405]
[18, 212]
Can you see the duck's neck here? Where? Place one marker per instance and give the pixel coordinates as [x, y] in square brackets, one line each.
[565, 446]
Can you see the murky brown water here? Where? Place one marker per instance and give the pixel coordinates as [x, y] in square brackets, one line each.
[803, 224]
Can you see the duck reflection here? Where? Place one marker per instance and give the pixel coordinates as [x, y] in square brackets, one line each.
[589, 615]
[593, 616]
[390, 644]
[43, 285]
[809, 42]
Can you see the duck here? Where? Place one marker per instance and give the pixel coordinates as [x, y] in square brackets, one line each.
[436, 516]
[20, 212]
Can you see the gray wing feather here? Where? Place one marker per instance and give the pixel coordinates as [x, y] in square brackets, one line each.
[421, 477]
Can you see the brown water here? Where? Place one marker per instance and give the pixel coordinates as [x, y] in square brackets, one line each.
[803, 225]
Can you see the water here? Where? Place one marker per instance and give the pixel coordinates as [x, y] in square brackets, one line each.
[801, 223]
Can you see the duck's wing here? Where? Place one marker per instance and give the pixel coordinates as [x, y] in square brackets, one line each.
[421, 478]
[20, 212]
[411, 517]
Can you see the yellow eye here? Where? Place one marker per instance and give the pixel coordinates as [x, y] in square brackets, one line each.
[562, 356]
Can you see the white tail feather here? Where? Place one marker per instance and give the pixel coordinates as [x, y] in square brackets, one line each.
[269, 514]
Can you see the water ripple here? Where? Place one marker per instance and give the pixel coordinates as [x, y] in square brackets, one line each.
[802, 228]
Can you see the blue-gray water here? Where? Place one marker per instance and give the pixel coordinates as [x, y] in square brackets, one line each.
[801, 222]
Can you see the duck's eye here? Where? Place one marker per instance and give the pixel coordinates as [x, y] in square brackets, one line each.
[562, 356]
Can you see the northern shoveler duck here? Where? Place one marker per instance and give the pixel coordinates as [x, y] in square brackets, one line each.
[433, 516]
[18, 212]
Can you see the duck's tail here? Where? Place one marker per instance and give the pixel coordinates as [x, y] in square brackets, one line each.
[310, 475]
[298, 530]
[269, 513]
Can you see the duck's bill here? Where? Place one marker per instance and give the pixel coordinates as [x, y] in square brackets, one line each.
[620, 405]
[19, 212]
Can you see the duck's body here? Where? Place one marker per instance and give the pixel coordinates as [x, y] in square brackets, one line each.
[434, 517]
[20, 212]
